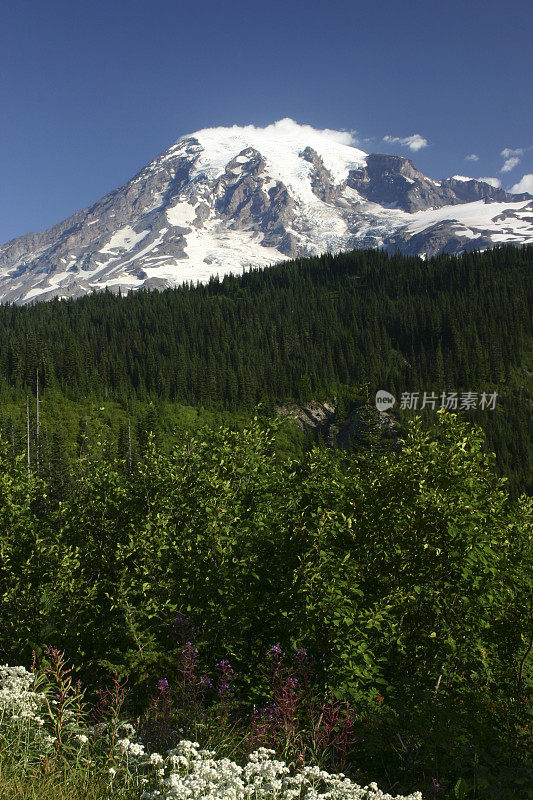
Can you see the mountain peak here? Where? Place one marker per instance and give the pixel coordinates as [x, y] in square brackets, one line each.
[224, 199]
[281, 145]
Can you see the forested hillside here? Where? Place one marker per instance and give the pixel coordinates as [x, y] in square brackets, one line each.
[296, 331]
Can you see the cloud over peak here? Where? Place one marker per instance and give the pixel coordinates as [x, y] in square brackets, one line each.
[414, 142]
[285, 128]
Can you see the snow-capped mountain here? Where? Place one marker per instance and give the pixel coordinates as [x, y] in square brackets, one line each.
[224, 199]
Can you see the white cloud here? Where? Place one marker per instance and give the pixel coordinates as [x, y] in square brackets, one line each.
[286, 127]
[414, 142]
[508, 151]
[496, 182]
[512, 158]
[510, 163]
[472, 157]
[525, 184]
[290, 127]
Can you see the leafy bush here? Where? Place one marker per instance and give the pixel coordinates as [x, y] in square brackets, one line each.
[407, 575]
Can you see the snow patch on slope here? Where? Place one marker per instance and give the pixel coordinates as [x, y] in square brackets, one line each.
[477, 215]
[181, 215]
[124, 239]
[215, 250]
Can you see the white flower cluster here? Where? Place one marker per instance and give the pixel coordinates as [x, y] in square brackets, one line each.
[135, 749]
[26, 715]
[17, 699]
[194, 773]
[187, 773]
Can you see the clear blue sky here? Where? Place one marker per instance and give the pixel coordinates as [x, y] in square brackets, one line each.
[92, 91]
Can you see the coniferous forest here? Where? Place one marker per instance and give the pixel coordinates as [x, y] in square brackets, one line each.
[180, 563]
[298, 331]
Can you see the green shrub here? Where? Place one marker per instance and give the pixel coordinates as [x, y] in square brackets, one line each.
[406, 574]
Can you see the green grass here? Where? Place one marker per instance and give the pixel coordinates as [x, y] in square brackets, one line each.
[37, 784]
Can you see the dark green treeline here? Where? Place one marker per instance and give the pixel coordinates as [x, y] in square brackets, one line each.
[297, 331]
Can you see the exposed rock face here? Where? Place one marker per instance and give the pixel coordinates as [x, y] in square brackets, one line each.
[313, 416]
[321, 180]
[320, 419]
[472, 190]
[394, 181]
[443, 237]
[226, 199]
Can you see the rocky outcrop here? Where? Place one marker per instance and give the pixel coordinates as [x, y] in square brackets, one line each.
[322, 421]
[468, 191]
[321, 181]
[395, 182]
[443, 237]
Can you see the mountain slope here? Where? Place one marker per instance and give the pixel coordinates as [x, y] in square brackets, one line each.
[224, 199]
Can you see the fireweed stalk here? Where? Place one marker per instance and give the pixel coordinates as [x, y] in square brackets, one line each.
[107, 715]
[295, 722]
[301, 727]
